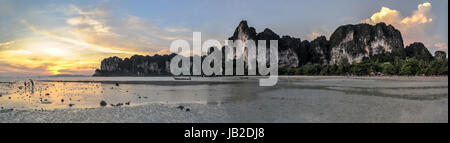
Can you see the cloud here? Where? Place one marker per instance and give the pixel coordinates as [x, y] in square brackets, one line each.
[85, 37]
[129, 32]
[441, 46]
[420, 16]
[386, 15]
[314, 35]
[413, 27]
[6, 44]
[177, 29]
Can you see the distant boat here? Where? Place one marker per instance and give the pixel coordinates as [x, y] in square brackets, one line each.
[182, 78]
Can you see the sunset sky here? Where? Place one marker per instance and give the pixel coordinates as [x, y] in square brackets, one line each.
[52, 37]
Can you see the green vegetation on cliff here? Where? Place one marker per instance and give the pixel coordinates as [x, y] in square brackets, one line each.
[383, 64]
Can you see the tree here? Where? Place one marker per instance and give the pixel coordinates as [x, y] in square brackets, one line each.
[410, 67]
[388, 68]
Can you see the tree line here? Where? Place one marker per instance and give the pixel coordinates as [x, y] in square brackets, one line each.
[382, 64]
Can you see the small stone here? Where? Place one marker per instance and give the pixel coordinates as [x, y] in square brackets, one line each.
[47, 94]
[70, 105]
[117, 84]
[128, 103]
[180, 107]
[187, 109]
[103, 103]
[62, 100]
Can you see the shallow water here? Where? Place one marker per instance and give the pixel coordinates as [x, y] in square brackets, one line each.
[293, 99]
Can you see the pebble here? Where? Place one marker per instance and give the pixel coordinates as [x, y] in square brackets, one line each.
[70, 105]
[103, 103]
[180, 107]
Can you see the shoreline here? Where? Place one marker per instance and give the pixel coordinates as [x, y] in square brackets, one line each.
[293, 99]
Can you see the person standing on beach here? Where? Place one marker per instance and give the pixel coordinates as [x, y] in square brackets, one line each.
[32, 85]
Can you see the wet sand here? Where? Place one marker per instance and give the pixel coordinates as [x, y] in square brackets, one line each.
[161, 99]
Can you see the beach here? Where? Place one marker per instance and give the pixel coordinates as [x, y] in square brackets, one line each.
[298, 99]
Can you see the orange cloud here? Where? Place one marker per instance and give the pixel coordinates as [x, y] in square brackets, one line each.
[413, 27]
[419, 16]
[386, 15]
[441, 46]
[80, 45]
[390, 16]
[314, 35]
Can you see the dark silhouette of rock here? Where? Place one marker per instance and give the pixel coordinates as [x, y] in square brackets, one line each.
[320, 50]
[438, 55]
[103, 103]
[419, 51]
[267, 34]
[137, 65]
[180, 107]
[244, 32]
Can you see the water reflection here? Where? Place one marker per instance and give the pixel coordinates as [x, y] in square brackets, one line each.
[44, 95]
[52, 95]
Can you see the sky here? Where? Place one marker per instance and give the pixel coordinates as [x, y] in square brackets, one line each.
[51, 37]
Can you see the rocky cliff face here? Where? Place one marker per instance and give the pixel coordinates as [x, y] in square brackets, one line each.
[111, 64]
[440, 55]
[135, 66]
[351, 42]
[319, 50]
[419, 51]
[354, 42]
[243, 32]
[287, 57]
